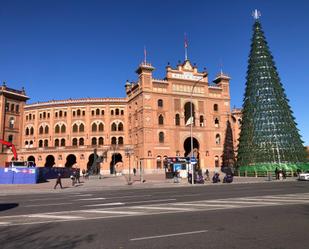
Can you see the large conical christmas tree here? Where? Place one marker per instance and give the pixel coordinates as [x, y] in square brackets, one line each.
[269, 137]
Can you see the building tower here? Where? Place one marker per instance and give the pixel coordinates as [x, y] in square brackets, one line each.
[269, 137]
[11, 117]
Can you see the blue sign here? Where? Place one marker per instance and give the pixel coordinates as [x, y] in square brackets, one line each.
[193, 160]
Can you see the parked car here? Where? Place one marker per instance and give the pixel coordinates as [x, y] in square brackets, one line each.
[304, 176]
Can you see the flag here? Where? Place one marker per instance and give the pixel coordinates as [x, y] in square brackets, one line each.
[189, 121]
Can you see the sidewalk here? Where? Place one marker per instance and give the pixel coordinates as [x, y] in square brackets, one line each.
[117, 182]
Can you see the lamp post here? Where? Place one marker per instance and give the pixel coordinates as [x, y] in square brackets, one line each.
[129, 152]
[192, 120]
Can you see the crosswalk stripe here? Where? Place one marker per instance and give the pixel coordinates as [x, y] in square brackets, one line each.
[110, 212]
[50, 216]
[163, 208]
[105, 204]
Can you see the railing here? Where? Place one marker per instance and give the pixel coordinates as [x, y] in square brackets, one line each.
[288, 173]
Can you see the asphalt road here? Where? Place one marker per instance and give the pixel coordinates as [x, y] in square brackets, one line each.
[265, 215]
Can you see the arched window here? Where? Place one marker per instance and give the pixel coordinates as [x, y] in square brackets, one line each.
[31, 131]
[56, 142]
[60, 113]
[73, 113]
[94, 141]
[57, 129]
[120, 127]
[161, 137]
[10, 138]
[84, 113]
[81, 128]
[62, 142]
[160, 103]
[120, 140]
[177, 119]
[17, 108]
[216, 108]
[121, 112]
[41, 130]
[114, 140]
[26, 143]
[218, 140]
[117, 111]
[94, 127]
[112, 112]
[101, 141]
[74, 142]
[44, 114]
[56, 114]
[81, 141]
[46, 129]
[201, 121]
[101, 127]
[75, 127]
[102, 112]
[114, 127]
[216, 161]
[159, 162]
[97, 112]
[30, 116]
[45, 143]
[92, 112]
[188, 119]
[63, 128]
[40, 143]
[160, 120]
[12, 107]
[216, 122]
[78, 112]
[11, 123]
[27, 131]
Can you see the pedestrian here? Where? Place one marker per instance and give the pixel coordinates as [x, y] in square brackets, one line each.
[58, 181]
[134, 171]
[84, 173]
[73, 178]
[207, 175]
[77, 176]
[277, 173]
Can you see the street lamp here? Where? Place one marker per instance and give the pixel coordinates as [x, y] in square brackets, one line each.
[129, 152]
[192, 120]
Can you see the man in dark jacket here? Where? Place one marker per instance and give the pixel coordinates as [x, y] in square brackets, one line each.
[58, 181]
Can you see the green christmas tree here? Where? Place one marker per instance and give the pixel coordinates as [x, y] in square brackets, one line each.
[228, 157]
[269, 135]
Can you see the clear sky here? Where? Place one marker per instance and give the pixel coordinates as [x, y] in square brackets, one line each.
[60, 49]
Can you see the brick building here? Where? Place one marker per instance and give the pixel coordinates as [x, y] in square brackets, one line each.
[141, 129]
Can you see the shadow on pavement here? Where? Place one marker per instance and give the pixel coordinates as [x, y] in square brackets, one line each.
[7, 206]
[41, 237]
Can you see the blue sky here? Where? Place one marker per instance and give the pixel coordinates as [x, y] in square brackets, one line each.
[60, 49]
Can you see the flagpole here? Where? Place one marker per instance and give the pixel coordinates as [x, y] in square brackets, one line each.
[186, 47]
[191, 123]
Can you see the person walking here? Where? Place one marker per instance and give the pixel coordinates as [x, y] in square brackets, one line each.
[134, 171]
[58, 181]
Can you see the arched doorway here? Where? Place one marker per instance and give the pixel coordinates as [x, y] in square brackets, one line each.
[31, 159]
[187, 113]
[116, 158]
[90, 161]
[71, 160]
[196, 147]
[50, 161]
[187, 147]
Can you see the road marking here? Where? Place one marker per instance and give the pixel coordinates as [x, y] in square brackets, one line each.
[105, 204]
[168, 235]
[127, 196]
[249, 202]
[82, 195]
[110, 212]
[52, 204]
[50, 216]
[160, 200]
[4, 223]
[203, 205]
[163, 208]
[91, 199]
